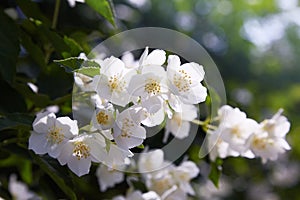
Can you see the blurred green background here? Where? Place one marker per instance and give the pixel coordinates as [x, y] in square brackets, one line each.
[255, 44]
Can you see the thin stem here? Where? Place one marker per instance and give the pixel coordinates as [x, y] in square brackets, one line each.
[55, 15]
[204, 124]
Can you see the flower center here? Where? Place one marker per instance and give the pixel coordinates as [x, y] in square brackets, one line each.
[116, 84]
[182, 81]
[152, 87]
[102, 118]
[81, 150]
[125, 131]
[261, 143]
[55, 136]
[236, 131]
[268, 126]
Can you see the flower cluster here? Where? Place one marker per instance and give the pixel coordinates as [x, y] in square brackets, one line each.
[126, 97]
[237, 135]
[163, 179]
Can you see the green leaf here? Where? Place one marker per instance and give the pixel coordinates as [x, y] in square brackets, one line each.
[9, 47]
[213, 101]
[34, 50]
[89, 71]
[75, 48]
[141, 146]
[15, 120]
[11, 101]
[104, 8]
[215, 171]
[40, 100]
[54, 175]
[72, 64]
[31, 10]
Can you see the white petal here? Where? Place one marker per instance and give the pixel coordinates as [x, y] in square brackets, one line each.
[156, 57]
[143, 56]
[150, 161]
[66, 153]
[181, 130]
[189, 112]
[190, 167]
[156, 70]
[136, 85]
[43, 121]
[197, 95]
[112, 66]
[173, 62]
[69, 127]
[194, 70]
[79, 167]
[38, 143]
[154, 119]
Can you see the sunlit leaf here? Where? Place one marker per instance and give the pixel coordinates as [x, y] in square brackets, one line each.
[73, 63]
[89, 71]
[215, 172]
[104, 8]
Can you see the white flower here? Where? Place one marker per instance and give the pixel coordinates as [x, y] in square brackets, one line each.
[217, 147]
[179, 124]
[79, 152]
[50, 133]
[277, 126]
[152, 81]
[161, 181]
[154, 111]
[103, 118]
[269, 140]
[151, 161]
[175, 193]
[19, 190]
[138, 195]
[184, 80]
[156, 57]
[183, 175]
[116, 157]
[114, 80]
[235, 128]
[266, 147]
[108, 177]
[129, 61]
[127, 131]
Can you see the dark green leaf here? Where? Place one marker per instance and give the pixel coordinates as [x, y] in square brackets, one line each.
[54, 82]
[11, 100]
[40, 100]
[9, 47]
[75, 48]
[73, 64]
[215, 171]
[34, 50]
[70, 64]
[31, 10]
[104, 8]
[15, 120]
[54, 174]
